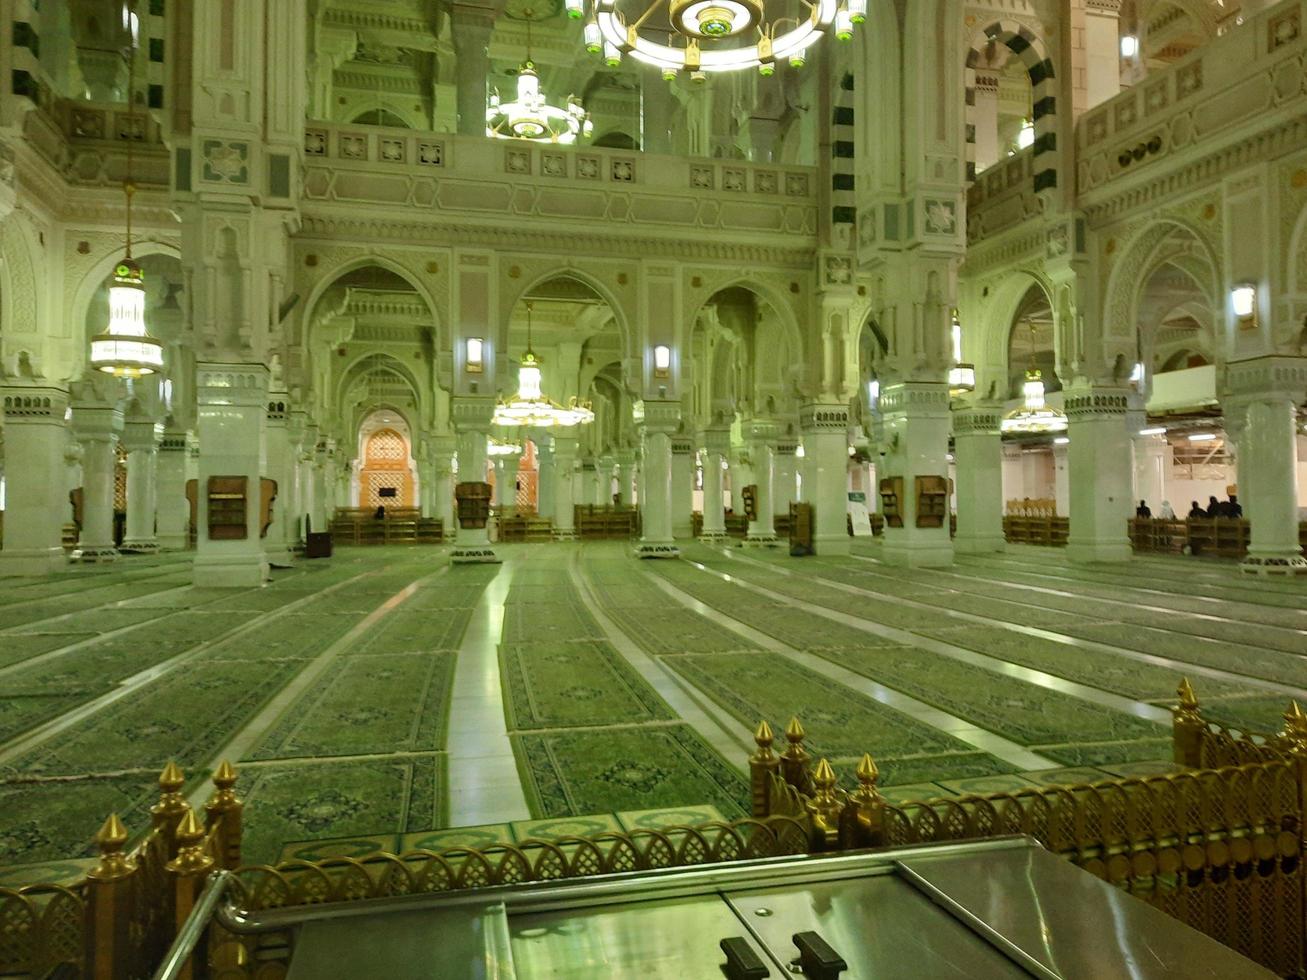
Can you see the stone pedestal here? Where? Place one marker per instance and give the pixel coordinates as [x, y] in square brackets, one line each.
[36, 503]
[1100, 474]
[656, 428]
[784, 485]
[172, 510]
[682, 487]
[442, 452]
[472, 420]
[564, 483]
[826, 459]
[232, 402]
[978, 452]
[716, 444]
[141, 441]
[544, 478]
[97, 427]
[626, 478]
[916, 427]
[506, 468]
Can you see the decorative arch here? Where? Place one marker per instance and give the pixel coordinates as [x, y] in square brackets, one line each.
[327, 278]
[764, 290]
[94, 278]
[624, 318]
[1132, 269]
[1002, 309]
[1030, 48]
[381, 359]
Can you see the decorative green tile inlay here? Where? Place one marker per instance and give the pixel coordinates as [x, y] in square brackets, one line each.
[552, 829]
[351, 847]
[486, 835]
[677, 816]
[1105, 754]
[574, 773]
[50, 821]
[562, 685]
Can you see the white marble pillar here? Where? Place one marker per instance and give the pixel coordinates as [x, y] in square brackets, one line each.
[739, 476]
[916, 425]
[985, 116]
[626, 478]
[545, 478]
[564, 501]
[1100, 473]
[716, 444]
[655, 490]
[978, 451]
[761, 437]
[140, 439]
[442, 466]
[472, 422]
[826, 458]
[293, 508]
[321, 503]
[97, 426]
[506, 468]
[607, 472]
[232, 402]
[309, 481]
[281, 464]
[1268, 461]
[426, 478]
[172, 510]
[1014, 473]
[1150, 455]
[682, 487]
[784, 468]
[36, 503]
[1061, 480]
[1102, 52]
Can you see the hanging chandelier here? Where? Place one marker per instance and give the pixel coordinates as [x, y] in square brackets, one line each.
[529, 406]
[530, 116]
[961, 376]
[498, 447]
[1033, 417]
[715, 35]
[126, 349]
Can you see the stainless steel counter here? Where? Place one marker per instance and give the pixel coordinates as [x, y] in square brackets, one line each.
[989, 909]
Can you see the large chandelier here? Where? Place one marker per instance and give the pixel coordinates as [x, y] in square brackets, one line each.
[126, 349]
[530, 116]
[1033, 417]
[529, 406]
[716, 35]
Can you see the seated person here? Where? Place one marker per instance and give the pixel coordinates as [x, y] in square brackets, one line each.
[1168, 513]
[1233, 506]
[380, 513]
[1195, 512]
[1142, 510]
[1214, 507]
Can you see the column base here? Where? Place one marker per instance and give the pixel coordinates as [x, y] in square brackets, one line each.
[713, 537]
[1085, 552]
[230, 571]
[130, 547]
[1274, 565]
[474, 554]
[685, 531]
[761, 539]
[32, 561]
[94, 553]
[918, 554]
[981, 544]
[655, 549]
[173, 542]
[563, 533]
[835, 545]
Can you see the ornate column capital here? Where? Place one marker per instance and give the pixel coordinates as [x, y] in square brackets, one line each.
[1096, 402]
[716, 439]
[141, 434]
[1273, 376]
[34, 402]
[657, 415]
[231, 383]
[972, 420]
[824, 417]
[471, 413]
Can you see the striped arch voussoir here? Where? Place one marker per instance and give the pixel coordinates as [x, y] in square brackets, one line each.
[1027, 46]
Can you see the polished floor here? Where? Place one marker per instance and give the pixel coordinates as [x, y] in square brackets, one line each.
[384, 699]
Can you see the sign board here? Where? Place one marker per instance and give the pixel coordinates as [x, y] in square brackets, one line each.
[858, 516]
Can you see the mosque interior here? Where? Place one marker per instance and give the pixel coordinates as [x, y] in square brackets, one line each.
[506, 430]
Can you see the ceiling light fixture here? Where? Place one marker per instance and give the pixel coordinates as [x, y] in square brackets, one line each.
[1033, 417]
[720, 35]
[529, 406]
[530, 116]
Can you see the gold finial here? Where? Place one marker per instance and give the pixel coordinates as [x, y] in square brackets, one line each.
[823, 777]
[171, 803]
[867, 774]
[113, 864]
[225, 776]
[763, 735]
[1295, 723]
[794, 730]
[1188, 699]
[171, 779]
[191, 857]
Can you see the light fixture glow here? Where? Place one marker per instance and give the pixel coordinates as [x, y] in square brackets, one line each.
[1243, 298]
[720, 35]
[1156, 430]
[1202, 437]
[873, 391]
[498, 447]
[1137, 373]
[529, 406]
[961, 379]
[662, 360]
[530, 116]
[1061, 440]
[474, 353]
[1026, 135]
[1033, 416]
[1129, 45]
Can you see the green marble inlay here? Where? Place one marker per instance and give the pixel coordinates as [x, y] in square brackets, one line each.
[364, 705]
[584, 772]
[562, 685]
[1106, 753]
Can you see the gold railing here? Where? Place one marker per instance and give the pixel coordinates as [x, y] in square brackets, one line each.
[1216, 844]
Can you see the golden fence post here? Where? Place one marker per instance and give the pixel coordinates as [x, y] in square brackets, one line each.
[226, 807]
[109, 886]
[762, 765]
[825, 806]
[869, 804]
[165, 814]
[794, 763]
[1187, 727]
[189, 869]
